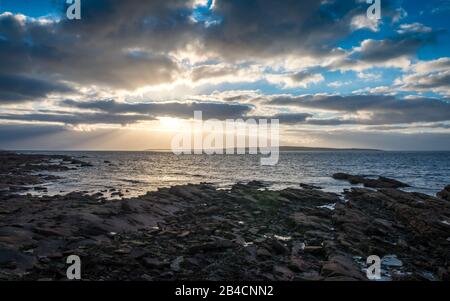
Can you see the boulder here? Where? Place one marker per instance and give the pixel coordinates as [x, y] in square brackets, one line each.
[381, 182]
[445, 193]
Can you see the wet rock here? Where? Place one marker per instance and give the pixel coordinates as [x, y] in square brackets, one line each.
[340, 265]
[309, 186]
[309, 221]
[381, 182]
[256, 184]
[198, 232]
[262, 252]
[297, 264]
[175, 265]
[283, 273]
[277, 246]
[48, 232]
[123, 251]
[154, 263]
[39, 188]
[11, 258]
[309, 276]
[391, 261]
[445, 193]
[314, 250]
[219, 245]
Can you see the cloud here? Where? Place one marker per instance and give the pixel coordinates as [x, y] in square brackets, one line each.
[427, 76]
[300, 79]
[100, 49]
[375, 139]
[10, 133]
[414, 28]
[225, 73]
[361, 21]
[78, 118]
[395, 52]
[171, 109]
[132, 44]
[287, 118]
[369, 109]
[18, 88]
[117, 113]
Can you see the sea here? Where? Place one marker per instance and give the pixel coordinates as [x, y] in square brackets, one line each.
[136, 173]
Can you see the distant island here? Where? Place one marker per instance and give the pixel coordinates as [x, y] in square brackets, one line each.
[325, 149]
[300, 149]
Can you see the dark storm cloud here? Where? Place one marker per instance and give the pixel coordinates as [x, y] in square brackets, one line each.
[112, 112]
[78, 118]
[382, 109]
[128, 44]
[301, 76]
[386, 52]
[373, 51]
[103, 47]
[172, 109]
[266, 28]
[433, 81]
[17, 88]
[375, 139]
[17, 132]
[287, 118]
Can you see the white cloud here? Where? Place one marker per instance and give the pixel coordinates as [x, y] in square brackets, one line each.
[295, 80]
[361, 21]
[414, 27]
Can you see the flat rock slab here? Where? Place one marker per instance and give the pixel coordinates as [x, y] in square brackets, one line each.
[198, 232]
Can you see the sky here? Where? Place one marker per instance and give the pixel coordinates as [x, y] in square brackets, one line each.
[130, 74]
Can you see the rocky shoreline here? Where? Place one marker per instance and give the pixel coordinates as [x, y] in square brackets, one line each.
[197, 232]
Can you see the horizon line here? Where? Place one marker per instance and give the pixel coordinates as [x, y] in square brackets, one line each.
[164, 150]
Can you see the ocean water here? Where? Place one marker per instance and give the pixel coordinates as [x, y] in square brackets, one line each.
[135, 173]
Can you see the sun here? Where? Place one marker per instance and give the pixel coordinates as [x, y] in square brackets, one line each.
[169, 123]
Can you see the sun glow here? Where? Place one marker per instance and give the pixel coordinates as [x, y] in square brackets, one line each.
[169, 123]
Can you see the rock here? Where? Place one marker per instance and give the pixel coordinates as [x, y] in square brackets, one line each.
[175, 265]
[309, 186]
[445, 193]
[297, 247]
[123, 251]
[262, 252]
[309, 221]
[278, 247]
[314, 250]
[309, 276]
[11, 259]
[283, 273]
[339, 265]
[48, 232]
[184, 234]
[39, 188]
[381, 182]
[219, 245]
[256, 184]
[146, 277]
[196, 232]
[297, 264]
[391, 261]
[153, 263]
